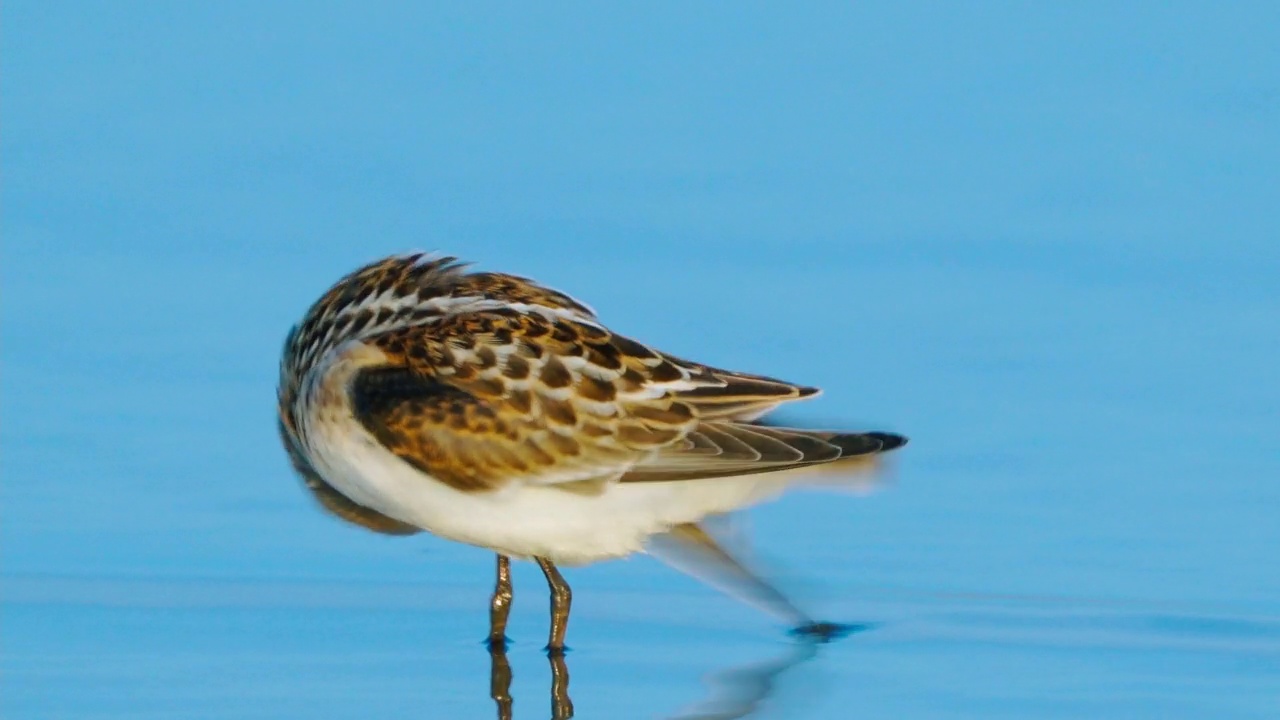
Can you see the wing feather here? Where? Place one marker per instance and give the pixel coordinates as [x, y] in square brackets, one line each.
[478, 400]
[545, 395]
[720, 449]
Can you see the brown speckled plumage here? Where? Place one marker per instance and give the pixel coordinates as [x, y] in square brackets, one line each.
[488, 378]
[494, 411]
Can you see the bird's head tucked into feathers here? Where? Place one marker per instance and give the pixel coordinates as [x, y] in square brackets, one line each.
[479, 380]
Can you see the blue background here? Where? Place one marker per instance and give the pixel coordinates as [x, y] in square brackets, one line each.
[1040, 239]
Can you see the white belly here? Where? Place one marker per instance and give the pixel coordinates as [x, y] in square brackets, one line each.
[525, 520]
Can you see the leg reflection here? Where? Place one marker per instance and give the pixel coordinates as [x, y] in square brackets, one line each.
[744, 691]
[561, 705]
[500, 680]
[500, 684]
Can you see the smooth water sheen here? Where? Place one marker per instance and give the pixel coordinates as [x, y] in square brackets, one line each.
[1041, 240]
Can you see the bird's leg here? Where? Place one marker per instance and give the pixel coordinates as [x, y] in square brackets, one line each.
[500, 680]
[561, 599]
[692, 548]
[561, 705]
[500, 606]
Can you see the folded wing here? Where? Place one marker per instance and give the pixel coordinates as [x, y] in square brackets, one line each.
[482, 399]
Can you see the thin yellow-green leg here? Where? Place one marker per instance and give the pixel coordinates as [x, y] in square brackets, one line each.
[561, 599]
[500, 605]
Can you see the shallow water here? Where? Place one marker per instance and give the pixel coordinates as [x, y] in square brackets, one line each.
[223, 648]
[1042, 243]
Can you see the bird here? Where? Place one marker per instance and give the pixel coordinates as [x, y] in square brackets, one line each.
[418, 394]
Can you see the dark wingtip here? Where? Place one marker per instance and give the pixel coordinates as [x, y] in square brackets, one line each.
[852, 444]
[888, 441]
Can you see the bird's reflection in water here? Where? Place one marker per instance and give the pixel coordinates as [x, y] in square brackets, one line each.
[736, 692]
[500, 681]
[500, 684]
[742, 691]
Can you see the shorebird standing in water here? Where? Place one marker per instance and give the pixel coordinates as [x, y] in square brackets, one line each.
[489, 410]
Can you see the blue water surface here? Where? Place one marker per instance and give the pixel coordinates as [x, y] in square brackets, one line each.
[1041, 239]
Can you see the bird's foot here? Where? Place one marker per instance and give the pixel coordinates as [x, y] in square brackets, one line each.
[825, 632]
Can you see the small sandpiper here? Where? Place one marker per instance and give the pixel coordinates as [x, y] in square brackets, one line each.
[490, 410]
